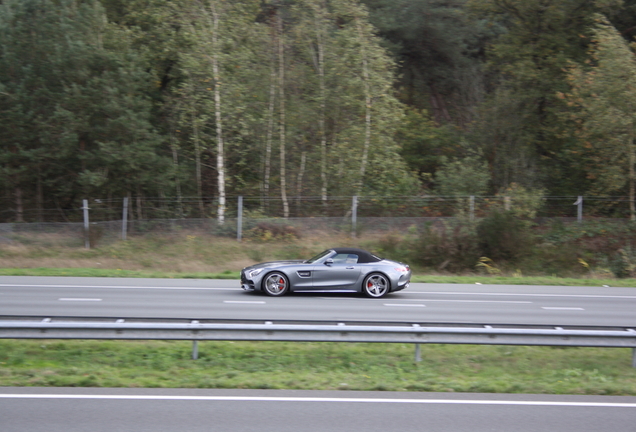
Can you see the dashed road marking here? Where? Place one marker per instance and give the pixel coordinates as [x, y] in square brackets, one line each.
[80, 299]
[404, 305]
[243, 302]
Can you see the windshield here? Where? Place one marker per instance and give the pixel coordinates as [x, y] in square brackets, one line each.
[319, 256]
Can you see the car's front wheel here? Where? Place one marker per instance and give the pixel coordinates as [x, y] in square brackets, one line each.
[275, 284]
[376, 285]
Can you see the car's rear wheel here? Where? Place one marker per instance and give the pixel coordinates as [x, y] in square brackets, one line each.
[275, 284]
[376, 285]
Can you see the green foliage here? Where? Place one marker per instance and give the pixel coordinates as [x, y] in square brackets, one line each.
[503, 236]
[73, 111]
[448, 247]
[602, 108]
[524, 203]
[464, 177]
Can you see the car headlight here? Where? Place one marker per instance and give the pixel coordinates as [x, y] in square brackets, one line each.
[253, 273]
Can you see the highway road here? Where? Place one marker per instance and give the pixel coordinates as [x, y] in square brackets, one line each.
[224, 299]
[169, 410]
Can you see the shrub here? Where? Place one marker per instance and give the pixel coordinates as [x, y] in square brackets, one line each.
[265, 231]
[447, 246]
[503, 236]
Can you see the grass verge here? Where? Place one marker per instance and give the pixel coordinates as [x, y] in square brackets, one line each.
[229, 274]
[317, 366]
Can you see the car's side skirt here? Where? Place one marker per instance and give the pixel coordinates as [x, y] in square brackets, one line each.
[328, 290]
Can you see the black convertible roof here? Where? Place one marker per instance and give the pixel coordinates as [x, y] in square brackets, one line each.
[363, 256]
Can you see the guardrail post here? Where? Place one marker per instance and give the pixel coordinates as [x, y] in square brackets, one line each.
[195, 350]
[418, 352]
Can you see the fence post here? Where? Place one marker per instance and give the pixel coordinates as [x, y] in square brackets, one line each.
[87, 243]
[354, 215]
[579, 212]
[472, 208]
[124, 219]
[239, 219]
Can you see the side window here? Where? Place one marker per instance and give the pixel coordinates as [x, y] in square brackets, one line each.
[339, 258]
[345, 259]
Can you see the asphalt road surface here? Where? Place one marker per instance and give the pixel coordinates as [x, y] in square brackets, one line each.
[224, 299]
[170, 410]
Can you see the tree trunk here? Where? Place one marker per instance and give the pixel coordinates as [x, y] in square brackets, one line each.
[281, 92]
[38, 196]
[270, 133]
[367, 106]
[299, 181]
[632, 176]
[140, 213]
[321, 116]
[19, 205]
[220, 157]
[197, 162]
[177, 181]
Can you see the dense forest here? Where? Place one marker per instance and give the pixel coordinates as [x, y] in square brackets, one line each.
[211, 99]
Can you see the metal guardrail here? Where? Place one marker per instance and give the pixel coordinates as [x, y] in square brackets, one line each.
[13, 327]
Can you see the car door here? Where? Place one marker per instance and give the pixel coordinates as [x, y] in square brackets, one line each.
[340, 272]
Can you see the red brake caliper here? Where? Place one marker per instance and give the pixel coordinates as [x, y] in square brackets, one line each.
[281, 283]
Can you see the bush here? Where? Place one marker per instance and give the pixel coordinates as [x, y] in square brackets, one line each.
[266, 231]
[447, 246]
[503, 236]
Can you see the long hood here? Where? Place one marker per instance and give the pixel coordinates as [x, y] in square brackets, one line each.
[274, 264]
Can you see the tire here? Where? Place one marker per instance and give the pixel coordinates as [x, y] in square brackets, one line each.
[376, 285]
[275, 284]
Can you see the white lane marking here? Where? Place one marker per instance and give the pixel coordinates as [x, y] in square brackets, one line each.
[404, 304]
[81, 299]
[562, 308]
[470, 301]
[238, 288]
[432, 300]
[321, 399]
[520, 294]
[118, 287]
[244, 302]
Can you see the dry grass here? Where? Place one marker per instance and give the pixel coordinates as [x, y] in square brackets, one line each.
[188, 252]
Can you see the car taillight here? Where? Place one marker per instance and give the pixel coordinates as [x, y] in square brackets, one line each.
[402, 269]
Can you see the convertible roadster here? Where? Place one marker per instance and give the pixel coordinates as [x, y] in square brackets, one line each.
[335, 270]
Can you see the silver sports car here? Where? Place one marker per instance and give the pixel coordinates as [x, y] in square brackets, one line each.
[337, 269]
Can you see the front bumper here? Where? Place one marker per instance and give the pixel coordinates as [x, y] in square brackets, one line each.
[247, 284]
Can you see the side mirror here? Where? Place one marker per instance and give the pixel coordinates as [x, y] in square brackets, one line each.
[329, 261]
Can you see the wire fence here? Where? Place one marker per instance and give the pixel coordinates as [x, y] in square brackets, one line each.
[145, 208]
[102, 219]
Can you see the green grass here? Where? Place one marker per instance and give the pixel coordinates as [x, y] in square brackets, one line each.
[317, 366]
[229, 274]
